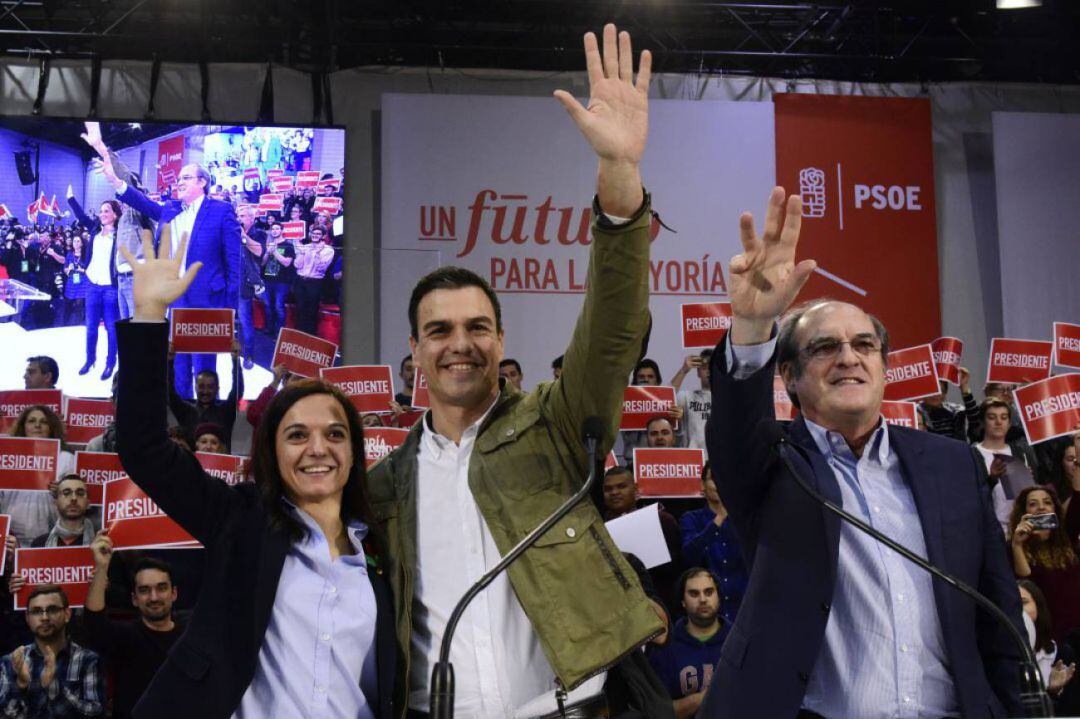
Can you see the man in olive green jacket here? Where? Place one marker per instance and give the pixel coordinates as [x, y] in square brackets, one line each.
[522, 452]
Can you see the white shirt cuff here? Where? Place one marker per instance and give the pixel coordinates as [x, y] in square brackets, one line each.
[745, 360]
[122, 189]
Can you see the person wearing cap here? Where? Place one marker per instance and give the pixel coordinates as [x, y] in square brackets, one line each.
[210, 437]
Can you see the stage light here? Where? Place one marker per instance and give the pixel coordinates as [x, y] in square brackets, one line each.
[1017, 4]
[134, 125]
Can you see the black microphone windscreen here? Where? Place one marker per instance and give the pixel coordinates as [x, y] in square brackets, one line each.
[772, 431]
[592, 428]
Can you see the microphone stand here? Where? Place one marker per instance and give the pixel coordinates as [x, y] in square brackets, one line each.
[442, 674]
[1033, 697]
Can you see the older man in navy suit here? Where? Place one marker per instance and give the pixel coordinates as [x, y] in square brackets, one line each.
[215, 240]
[833, 624]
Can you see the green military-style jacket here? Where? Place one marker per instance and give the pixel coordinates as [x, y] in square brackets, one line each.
[583, 599]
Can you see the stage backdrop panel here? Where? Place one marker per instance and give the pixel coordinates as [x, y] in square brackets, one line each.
[503, 185]
[1036, 156]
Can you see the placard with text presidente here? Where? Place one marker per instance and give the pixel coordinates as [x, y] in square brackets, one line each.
[97, 468]
[420, 397]
[28, 464]
[901, 414]
[668, 471]
[201, 330]
[911, 374]
[381, 441]
[1049, 408]
[14, 401]
[301, 353]
[642, 403]
[369, 387]
[704, 324]
[70, 567]
[86, 418]
[135, 521]
[947, 353]
[1067, 345]
[229, 468]
[1015, 361]
[783, 408]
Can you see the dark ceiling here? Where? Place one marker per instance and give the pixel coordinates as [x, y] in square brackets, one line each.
[861, 41]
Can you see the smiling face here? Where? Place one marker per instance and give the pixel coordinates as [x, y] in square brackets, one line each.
[620, 492]
[37, 425]
[189, 186]
[314, 450]
[459, 348]
[1039, 501]
[209, 443]
[106, 215]
[154, 594]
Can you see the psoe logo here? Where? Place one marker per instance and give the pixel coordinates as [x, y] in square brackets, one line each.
[812, 189]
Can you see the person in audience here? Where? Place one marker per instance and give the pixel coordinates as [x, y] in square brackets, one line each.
[312, 262]
[995, 416]
[52, 676]
[75, 282]
[102, 302]
[660, 433]
[694, 403]
[647, 372]
[709, 540]
[182, 437]
[211, 437]
[34, 512]
[251, 284]
[1057, 661]
[371, 420]
[1065, 479]
[73, 528]
[556, 367]
[948, 418]
[510, 370]
[280, 275]
[106, 441]
[42, 372]
[1047, 556]
[685, 664]
[293, 538]
[135, 650]
[207, 407]
[407, 374]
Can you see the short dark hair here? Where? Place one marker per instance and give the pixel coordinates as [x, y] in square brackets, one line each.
[508, 362]
[706, 353]
[208, 373]
[46, 363]
[70, 476]
[991, 402]
[48, 589]
[690, 574]
[650, 364]
[618, 469]
[144, 563]
[406, 358]
[450, 278]
[557, 362]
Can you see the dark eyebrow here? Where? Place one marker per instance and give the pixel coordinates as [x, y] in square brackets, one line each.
[441, 324]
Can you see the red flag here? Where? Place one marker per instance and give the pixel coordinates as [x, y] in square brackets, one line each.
[32, 212]
[43, 205]
[4, 211]
[54, 206]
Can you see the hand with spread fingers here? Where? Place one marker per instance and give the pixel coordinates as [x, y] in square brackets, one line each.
[157, 281]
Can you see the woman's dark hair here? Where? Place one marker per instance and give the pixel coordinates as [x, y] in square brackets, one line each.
[1057, 551]
[1044, 623]
[56, 425]
[263, 469]
[1058, 479]
[650, 364]
[117, 210]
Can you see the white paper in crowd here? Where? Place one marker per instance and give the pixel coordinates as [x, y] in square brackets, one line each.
[639, 533]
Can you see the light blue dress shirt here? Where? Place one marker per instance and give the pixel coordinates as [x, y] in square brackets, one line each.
[318, 656]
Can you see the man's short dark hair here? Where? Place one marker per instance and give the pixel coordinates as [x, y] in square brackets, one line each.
[145, 563]
[511, 362]
[557, 362]
[48, 589]
[706, 353]
[990, 403]
[208, 373]
[406, 358]
[690, 574]
[48, 365]
[618, 469]
[450, 278]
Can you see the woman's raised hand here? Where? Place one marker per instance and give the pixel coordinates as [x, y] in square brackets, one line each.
[157, 281]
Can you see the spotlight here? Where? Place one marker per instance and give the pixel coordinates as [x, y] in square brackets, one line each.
[134, 125]
[1017, 4]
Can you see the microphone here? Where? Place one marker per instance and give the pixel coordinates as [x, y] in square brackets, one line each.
[442, 674]
[1033, 697]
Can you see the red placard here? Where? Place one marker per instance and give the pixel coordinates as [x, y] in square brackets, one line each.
[294, 230]
[274, 172]
[668, 471]
[14, 401]
[610, 460]
[331, 184]
[643, 402]
[1049, 408]
[420, 398]
[135, 521]
[1019, 361]
[947, 354]
[252, 173]
[70, 567]
[783, 408]
[169, 161]
[97, 468]
[307, 178]
[370, 387]
[28, 464]
[865, 169]
[381, 441]
[405, 420]
[272, 202]
[902, 414]
[5, 526]
[704, 324]
[330, 205]
[911, 374]
[202, 330]
[301, 353]
[1067, 345]
[229, 468]
[281, 183]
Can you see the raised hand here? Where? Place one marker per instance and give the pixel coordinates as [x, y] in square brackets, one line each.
[764, 277]
[21, 667]
[92, 136]
[157, 281]
[70, 192]
[49, 670]
[102, 548]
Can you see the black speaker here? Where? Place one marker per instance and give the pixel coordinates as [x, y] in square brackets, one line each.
[24, 164]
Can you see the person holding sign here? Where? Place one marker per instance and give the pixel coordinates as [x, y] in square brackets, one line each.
[291, 557]
[832, 624]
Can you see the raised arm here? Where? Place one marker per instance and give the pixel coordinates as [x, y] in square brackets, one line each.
[80, 215]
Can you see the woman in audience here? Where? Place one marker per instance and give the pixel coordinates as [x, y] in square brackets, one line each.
[294, 617]
[1065, 479]
[101, 286]
[75, 282]
[1057, 661]
[1046, 555]
[34, 513]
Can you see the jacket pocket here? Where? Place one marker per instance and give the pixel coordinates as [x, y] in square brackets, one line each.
[192, 662]
[516, 451]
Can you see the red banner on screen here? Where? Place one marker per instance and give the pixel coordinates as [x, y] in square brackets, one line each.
[1049, 408]
[294, 230]
[135, 521]
[704, 324]
[420, 398]
[668, 471]
[307, 178]
[947, 354]
[14, 401]
[911, 374]
[865, 169]
[202, 330]
[272, 202]
[252, 173]
[229, 468]
[330, 205]
[70, 567]
[902, 414]
[281, 183]
[28, 464]
[301, 353]
[170, 160]
[381, 441]
[274, 172]
[782, 406]
[370, 387]
[97, 468]
[1067, 345]
[1019, 361]
[327, 186]
[643, 402]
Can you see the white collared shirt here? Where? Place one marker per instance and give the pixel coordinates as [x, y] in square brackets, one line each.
[184, 223]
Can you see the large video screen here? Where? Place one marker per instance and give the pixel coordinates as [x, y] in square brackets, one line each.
[262, 205]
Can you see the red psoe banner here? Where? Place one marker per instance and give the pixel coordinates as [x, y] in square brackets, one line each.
[272, 202]
[96, 469]
[947, 354]
[865, 169]
[14, 401]
[1049, 408]
[668, 471]
[381, 441]
[901, 414]
[329, 205]
[420, 398]
[202, 330]
[28, 464]
[370, 387]
[229, 468]
[169, 161]
[643, 402]
[301, 353]
[704, 324]
[135, 521]
[1067, 345]
[294, 230]
[70, 567]
[307, 178]
[783, 407]
[911, 374]
[1019, 361]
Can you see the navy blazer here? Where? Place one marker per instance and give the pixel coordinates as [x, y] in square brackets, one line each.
[212, 664]
[792, 546]
[215, 241]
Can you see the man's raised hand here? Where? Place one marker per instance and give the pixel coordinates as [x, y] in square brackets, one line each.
[764, 277]
[157, 281]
